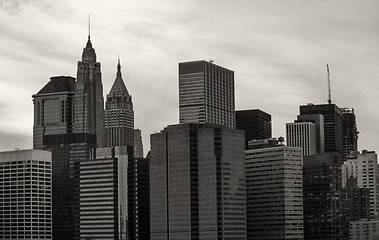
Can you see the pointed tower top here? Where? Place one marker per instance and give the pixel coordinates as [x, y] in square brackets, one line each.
[118, 67]
[119, 87]
[89, 44]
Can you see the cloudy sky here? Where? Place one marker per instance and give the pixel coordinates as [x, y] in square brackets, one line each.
[277, 49]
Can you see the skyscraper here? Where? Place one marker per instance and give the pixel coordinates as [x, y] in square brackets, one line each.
[25, 193]
[138, 146]
[318, 120]
[256, 124]
[103, 194]
[274, 193]
[365, 168]
[322, 196]
[89, 100]
[302, 134]
[349, 132]
[53, 106]
[197, 183]
[332, 124]
[119, 114]
[206, 94]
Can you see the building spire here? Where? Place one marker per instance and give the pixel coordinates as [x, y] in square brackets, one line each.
[89, 27]
[118, 67]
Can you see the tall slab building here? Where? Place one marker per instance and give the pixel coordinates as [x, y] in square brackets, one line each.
[119, 114]
[89, 100]
[197, 183]
[274, 193]
[349, 132]
[206, 94]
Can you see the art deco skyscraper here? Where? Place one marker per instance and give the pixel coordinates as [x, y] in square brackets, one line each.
[206, 94]
[119, 114]
[89, 100]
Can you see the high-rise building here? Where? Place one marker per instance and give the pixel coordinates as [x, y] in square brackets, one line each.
[274, 193]
[364, 230]
[197, 183]
[89, 100]
[349, 132]
[53, 109]
[365, 168]
[139, 199]
[25, 192]
[256, 124]
[332, 124]
[302, 134]
[138, 146]
[206, 94]
[322, 196]
[103, 195]
[318, 120]
[119, 114]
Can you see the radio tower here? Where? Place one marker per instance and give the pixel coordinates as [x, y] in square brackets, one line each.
[330, 95]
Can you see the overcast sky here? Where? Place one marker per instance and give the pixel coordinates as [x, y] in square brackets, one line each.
[278, 51]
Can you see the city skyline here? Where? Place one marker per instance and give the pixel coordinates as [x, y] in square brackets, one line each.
[278, 52]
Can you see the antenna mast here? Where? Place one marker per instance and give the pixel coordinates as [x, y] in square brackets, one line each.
[330, 95]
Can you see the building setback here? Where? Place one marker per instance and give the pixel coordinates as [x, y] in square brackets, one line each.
[119, 114]
[206, 94]
[197, 183]
[322, 196]
[274, 193]
[103, 195]
[256, 124]
[25, 193]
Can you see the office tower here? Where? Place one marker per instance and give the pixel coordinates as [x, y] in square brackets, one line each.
[332, 124]
[139, 199]
[25, 206]
[349, 132]
[322, 196]
[364, 230]
[302, 134]
[197, 183]
[255, 123]
[53, 109]
[119, 114]
[138, 146]
[365, 168]
[355, 204]
[89, 100]
[318, 120]
[274, 194]
[103, 194]
[206, 94]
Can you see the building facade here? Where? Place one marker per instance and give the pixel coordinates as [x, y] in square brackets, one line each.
[197, 183]
[119, 114]
[103, 195]
[139, 198]
[365, 168]
[302, 134]
[53, 106]
[332, 124]
[25, 192]
[322, 196]
[364, 230]
[206, 94]
[256, 124]
[349, 132]
[89, 100]
[138, 145]
[274, 193]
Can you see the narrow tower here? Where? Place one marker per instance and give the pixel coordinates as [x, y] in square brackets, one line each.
[89, 100]
[119, 114]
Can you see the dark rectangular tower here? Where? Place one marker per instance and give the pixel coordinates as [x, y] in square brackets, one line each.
[206, 94]
[256, 124]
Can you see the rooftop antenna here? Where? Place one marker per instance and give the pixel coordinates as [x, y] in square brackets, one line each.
[89, 26]
[330, 95]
